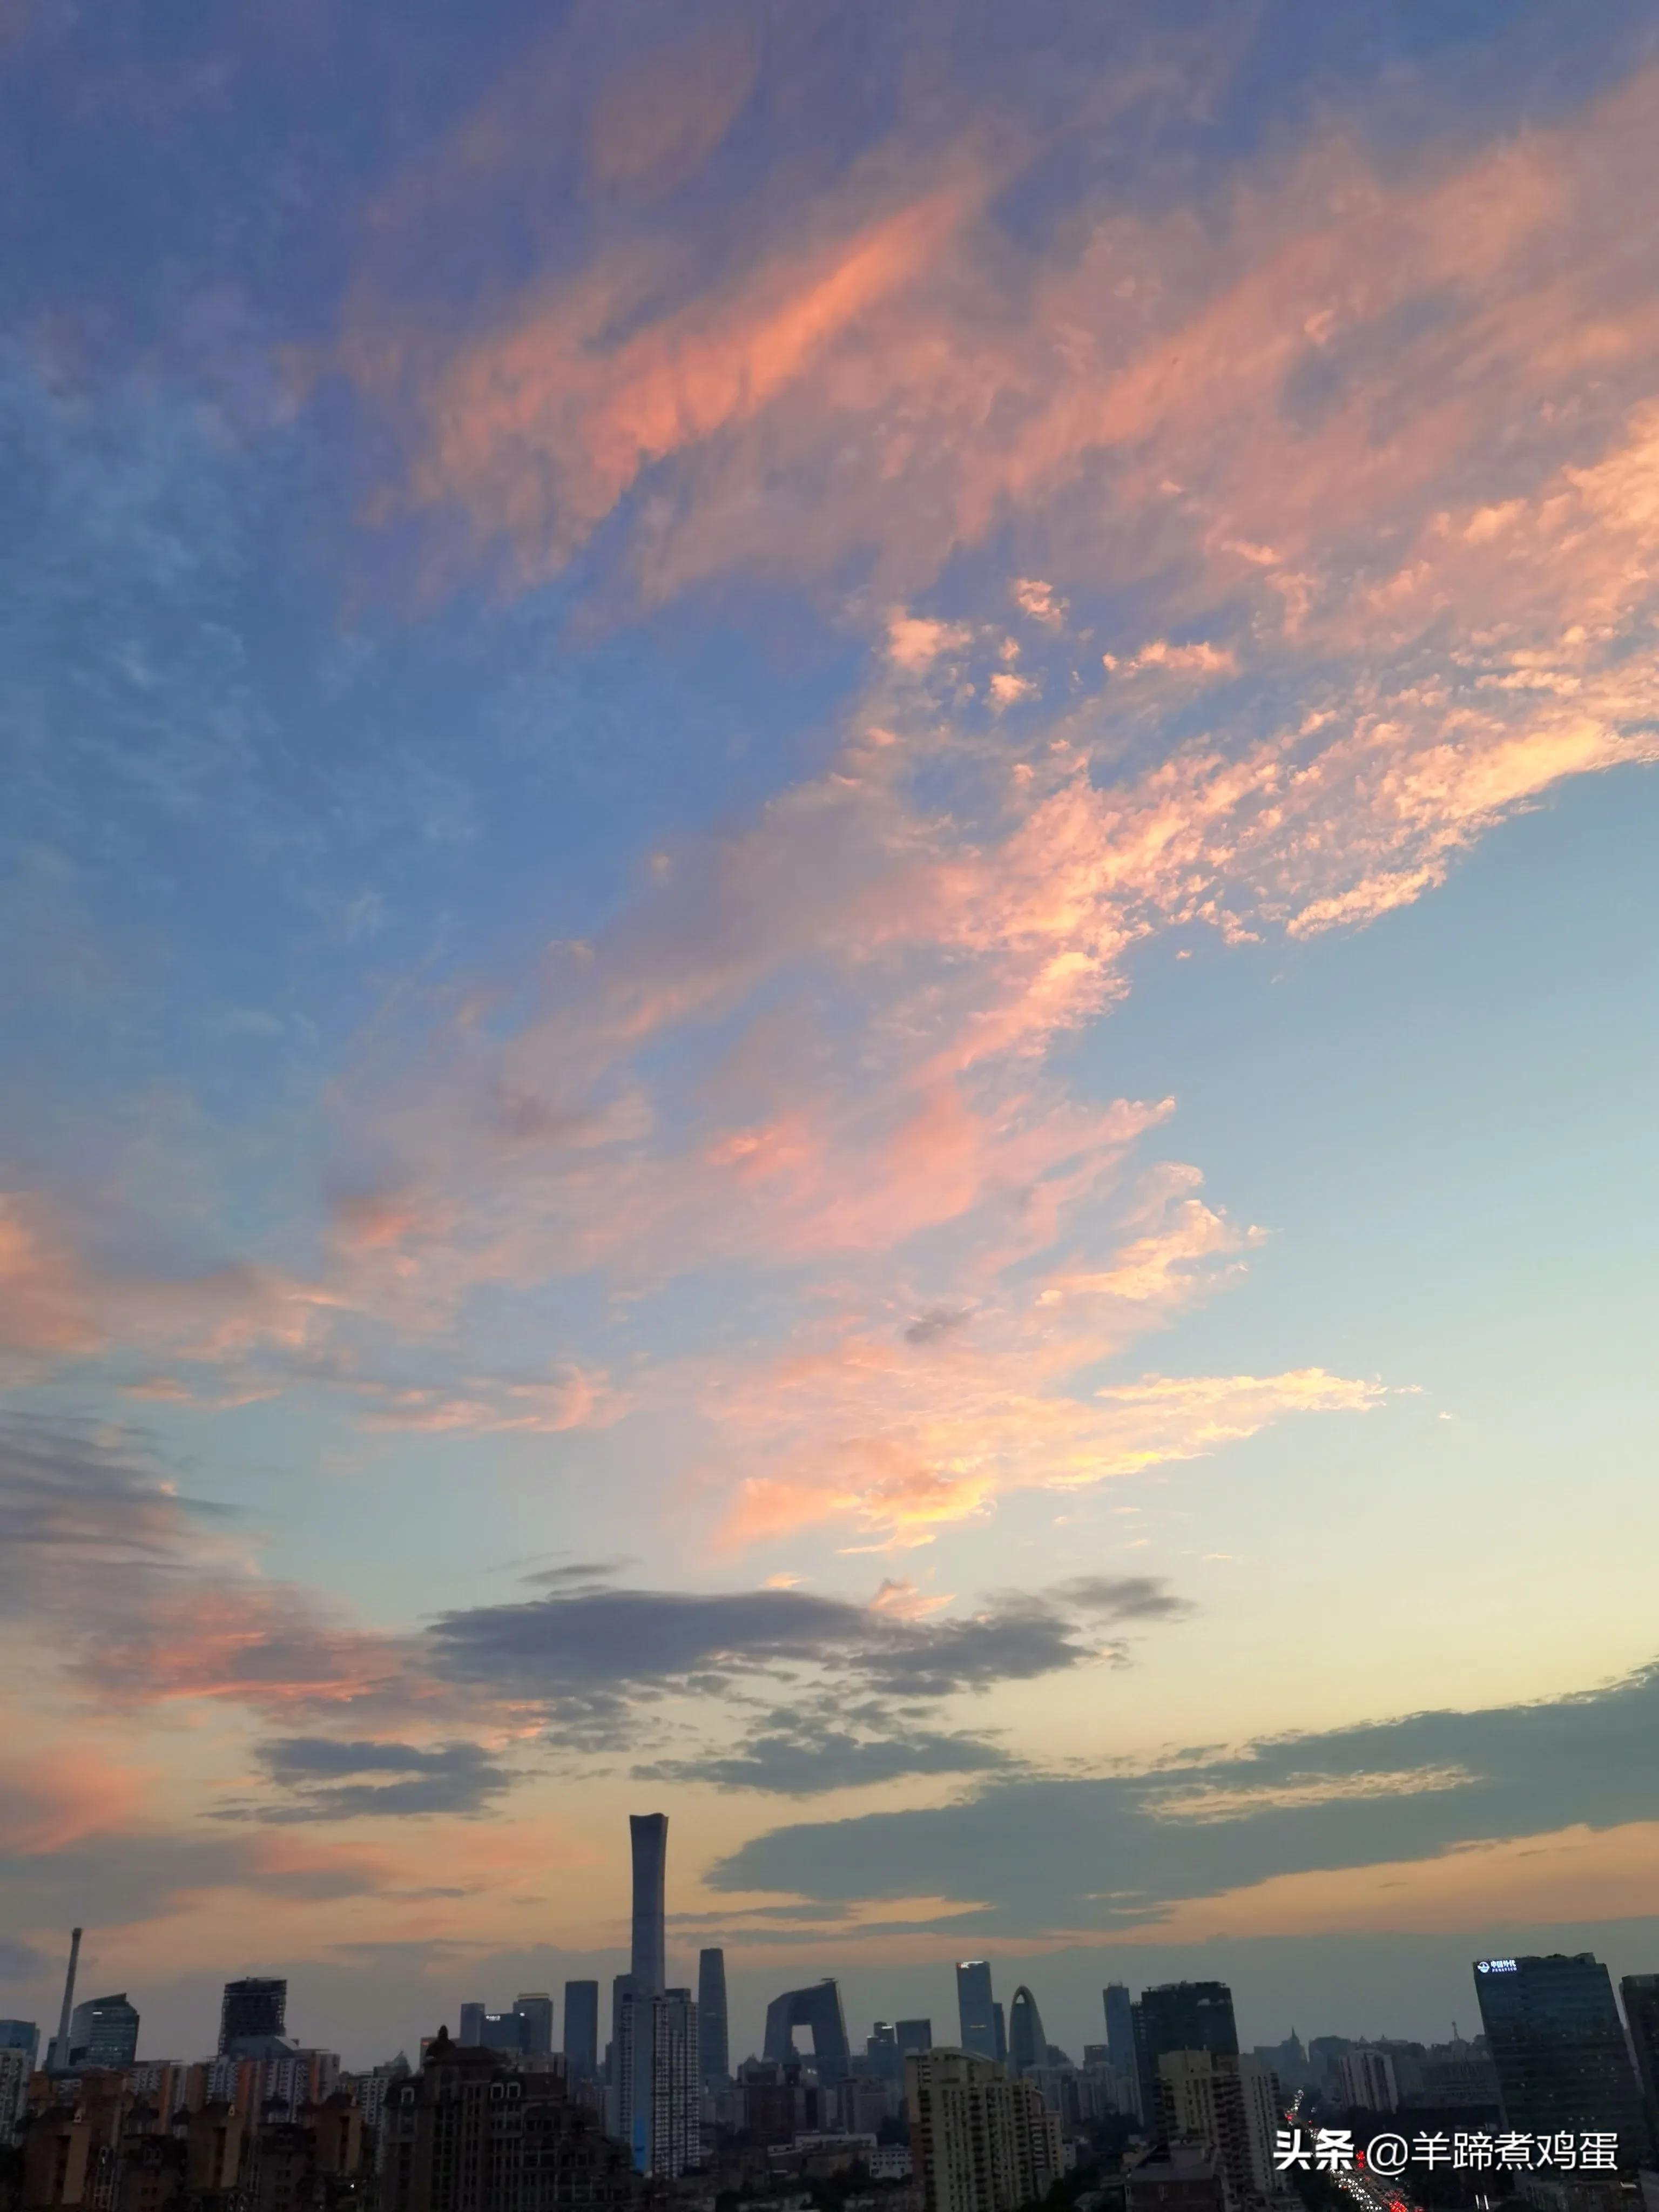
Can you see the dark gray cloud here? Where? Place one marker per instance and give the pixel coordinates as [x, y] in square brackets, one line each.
[580, 1574]
[1122, 1597]
[78, 1508]
[798, 1760]
[325, 1779]
[938, 1322]
[591, 1655]
[1044, 1852]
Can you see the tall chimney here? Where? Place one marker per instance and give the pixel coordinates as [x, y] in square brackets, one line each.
[60, 2049]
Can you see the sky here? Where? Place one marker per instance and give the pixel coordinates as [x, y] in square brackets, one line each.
[829, 999]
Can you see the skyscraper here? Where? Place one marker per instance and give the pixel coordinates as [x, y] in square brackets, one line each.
[1119, 2026]
[1180, 2016]
[253, 2006]
[1556, 2038]
[470, 2034]
[975, 2007]
[914, 2034]
[713, 2050]
[19, 2035]
[104, 2032]
[817, 2007]
[1027, 2045]
[535, 2008]
[581, 2031]
[648, 1966]
[1641, 1995]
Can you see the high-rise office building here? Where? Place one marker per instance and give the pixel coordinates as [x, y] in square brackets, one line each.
[1558, 2045]
[979, 2142]
[676, 2140]
[913, 2035]
[506, 2032]
[648, 1965]
[976, 2008]
[104, 2032]
[713, 2049]
[21, 2035]
[1116, 2004]
[470, 2035]
[581, 2031]
[817, 2007]
[1180, 2016]
[535, 2008]
[1641, 1995]
[1028, 2046]
[1001, 2027]
[252, 2009]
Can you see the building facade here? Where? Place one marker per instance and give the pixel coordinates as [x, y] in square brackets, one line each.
[1180, 2016]
[256, 2006]
[979, 2142]
[1558, 2045]
[470, 2135]
[1230, 2103]
[104, 2032]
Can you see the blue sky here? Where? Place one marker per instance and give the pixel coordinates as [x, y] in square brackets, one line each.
[828, 873]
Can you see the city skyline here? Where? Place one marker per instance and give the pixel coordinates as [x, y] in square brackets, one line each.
[830, 998]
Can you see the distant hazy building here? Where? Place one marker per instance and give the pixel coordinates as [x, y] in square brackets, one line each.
[470, 2034]
[535, 2008]
[714, 2046]
[1289, 2060]
[1001, 2027]
[1558, 2046]
[1028, 2046]
[1458, 2076]
[104, 2032]
[21, 2035]
[913, 2035]
[648, 1832]
[1367, 2081]
[979, 2142]
[1180, 2016]
[817, 2008]
[976, 2008]
[581, 2031]
[255, 2006]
